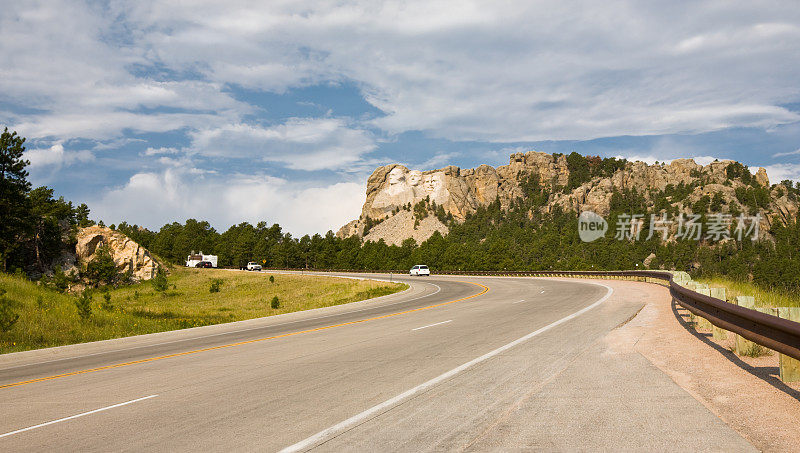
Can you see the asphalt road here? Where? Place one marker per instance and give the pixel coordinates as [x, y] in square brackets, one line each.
[451, 364]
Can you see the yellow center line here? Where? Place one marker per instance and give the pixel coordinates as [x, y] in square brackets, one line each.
[197, 351]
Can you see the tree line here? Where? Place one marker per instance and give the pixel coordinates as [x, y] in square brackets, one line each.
[527, 235]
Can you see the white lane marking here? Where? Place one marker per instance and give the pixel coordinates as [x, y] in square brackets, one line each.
[542, 292]
[230, 332]
[78, 415]
[356, 419]
[523, 300]
[431, 325]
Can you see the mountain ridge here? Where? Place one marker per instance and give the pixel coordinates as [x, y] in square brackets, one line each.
[570, 182]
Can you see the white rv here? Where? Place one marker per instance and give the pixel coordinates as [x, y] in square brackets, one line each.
[194, 260]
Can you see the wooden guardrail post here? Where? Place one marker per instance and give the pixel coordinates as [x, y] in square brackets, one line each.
[681, 277]
[742, 344]
[718, 333]
[789, 367]
[699, 322]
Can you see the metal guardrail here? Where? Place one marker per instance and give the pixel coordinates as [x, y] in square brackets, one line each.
[778, 334]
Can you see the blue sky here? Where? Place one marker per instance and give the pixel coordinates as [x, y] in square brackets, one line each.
[152, 113]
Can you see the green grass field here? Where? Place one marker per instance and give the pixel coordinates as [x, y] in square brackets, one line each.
[48, 318]
[764, 298]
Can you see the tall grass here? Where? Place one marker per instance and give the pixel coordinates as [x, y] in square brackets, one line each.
[49, 318]
[763, 297]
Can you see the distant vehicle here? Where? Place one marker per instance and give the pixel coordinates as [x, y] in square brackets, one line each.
[420, 270]
[204, 264]
[195, 258]
[253, 266]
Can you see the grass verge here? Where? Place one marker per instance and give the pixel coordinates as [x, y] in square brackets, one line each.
[48, 318]
[764, 298]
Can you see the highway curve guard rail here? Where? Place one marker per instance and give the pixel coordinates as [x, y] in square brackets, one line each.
[778, 334]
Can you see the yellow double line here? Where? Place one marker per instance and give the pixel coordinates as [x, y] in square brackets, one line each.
[197, 351]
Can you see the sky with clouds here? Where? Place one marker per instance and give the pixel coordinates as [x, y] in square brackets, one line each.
[159, 111]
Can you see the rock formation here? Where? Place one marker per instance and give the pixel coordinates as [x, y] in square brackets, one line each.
[130, 257]
[394, 189]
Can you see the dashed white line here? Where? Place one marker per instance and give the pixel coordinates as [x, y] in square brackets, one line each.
[523, 300]
[77, 415]
[434, 324]
[388, 404]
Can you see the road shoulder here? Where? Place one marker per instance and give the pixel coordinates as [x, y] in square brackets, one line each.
[743, 392]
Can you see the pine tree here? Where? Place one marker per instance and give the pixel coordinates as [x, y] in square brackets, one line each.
[14, 186]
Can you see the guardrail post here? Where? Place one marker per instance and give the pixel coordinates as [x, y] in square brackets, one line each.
[742, 344]
[789, 367]
[699, 322]
[716, 332]
[681, 278]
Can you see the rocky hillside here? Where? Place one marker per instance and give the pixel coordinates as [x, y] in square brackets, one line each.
[403, 203]
[132, 260]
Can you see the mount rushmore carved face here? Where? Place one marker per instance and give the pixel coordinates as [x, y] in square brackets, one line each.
[396, 176]
[432, 183]
[414, 177]
[403, 187]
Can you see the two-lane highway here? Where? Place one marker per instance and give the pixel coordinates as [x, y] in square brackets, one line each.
[437, 367]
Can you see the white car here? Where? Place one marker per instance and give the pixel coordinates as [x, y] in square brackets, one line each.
[420, 269]
[253, 266]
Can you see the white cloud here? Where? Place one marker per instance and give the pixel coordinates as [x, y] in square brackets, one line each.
[780, 172]
[160, 151]
[56, 156]
[439, 160]
[299, 143]
[155, 198]
[74, 77]
[651, 159]
[789, 153]
[463, 70]
[506, 71]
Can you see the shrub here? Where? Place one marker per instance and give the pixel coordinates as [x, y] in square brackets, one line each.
[8, 316]
[159, 282]
[102, 269]
[272, 279]
[106, 304]
[84, 305]
[275, 304]
[60, 280]
[216, 284]
[755, 350]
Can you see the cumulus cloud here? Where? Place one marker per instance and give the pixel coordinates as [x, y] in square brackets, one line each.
[780, 172]
[299, 143]
[155, 198]
[56, 156]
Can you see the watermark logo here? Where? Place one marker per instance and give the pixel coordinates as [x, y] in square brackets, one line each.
[591, 226]
[692, 227]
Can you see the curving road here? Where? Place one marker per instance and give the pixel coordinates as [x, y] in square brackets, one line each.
[451, 364]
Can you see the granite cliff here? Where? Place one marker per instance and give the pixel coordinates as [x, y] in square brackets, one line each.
[402, 203]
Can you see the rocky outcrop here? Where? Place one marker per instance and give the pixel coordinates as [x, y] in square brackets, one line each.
[404, 225]
[131, 258]
[394, 189]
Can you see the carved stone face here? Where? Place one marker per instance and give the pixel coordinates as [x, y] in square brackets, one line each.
[414, 177]
[431, 183]
[396, 176]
